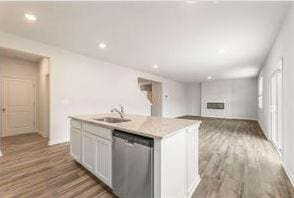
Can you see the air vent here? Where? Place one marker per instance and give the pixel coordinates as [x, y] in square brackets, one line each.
[215, 105]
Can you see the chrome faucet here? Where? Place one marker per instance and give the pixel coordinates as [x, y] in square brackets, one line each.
[120, 112]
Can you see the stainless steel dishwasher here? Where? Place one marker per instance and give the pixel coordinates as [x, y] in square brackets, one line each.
[132, 166]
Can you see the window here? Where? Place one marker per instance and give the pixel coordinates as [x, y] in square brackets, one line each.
[260, 92]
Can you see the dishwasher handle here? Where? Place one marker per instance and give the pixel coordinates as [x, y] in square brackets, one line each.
[131, 139]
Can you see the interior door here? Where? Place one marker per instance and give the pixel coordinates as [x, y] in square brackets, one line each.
[276, 129]
[18, 106]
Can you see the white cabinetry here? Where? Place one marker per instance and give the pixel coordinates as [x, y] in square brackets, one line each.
[76, 140]
[103, 160]
[88, 151]
[91, 145]
[174, 156]
[75, 143]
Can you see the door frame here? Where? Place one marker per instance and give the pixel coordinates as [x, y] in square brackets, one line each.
[279, 69]
[35, 117]
[47, 134]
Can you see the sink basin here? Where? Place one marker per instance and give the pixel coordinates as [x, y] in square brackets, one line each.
[111, 120]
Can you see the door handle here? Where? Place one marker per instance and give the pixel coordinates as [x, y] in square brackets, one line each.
[3, 109]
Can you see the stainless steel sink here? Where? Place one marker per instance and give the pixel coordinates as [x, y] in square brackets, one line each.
[111, 120]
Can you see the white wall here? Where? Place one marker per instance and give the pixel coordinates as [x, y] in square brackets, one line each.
[194, 99]
[174, 99]
[156, 94]
[283, 47]
[239, 96]
[82, 85]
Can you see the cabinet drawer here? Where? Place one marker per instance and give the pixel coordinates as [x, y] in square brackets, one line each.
[76, 124]
[97, 130]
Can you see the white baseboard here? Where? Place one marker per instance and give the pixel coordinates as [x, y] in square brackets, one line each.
[263, 130]
[229, 118]
[190, 115]
[58, 141]
[194, 186]
[41, 133]
[5, 134]
[221, 117]
[290, 176]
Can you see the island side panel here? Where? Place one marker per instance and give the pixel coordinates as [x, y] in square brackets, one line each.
[157, 168]
[193, 177]
[173, 166]
[176, 164]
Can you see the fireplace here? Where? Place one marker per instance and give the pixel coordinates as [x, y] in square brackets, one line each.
[215, 105]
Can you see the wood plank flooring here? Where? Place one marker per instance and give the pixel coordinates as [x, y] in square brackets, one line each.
[30, 168]
[235, 160]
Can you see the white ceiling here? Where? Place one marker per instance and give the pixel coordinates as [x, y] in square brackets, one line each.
[183, 39]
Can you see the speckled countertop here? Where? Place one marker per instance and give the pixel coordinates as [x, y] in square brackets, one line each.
[154, 127]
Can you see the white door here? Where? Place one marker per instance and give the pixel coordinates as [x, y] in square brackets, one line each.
[276, 130]
[18, 106]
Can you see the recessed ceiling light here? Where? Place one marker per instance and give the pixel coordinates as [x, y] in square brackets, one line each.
[30, 17]
[221, 51]
[209, 77]
[155, 66]
[102, 45]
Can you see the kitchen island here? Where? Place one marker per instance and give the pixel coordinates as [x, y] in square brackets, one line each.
[174, 154]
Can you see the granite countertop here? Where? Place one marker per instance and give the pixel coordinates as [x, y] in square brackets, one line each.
[153, 127]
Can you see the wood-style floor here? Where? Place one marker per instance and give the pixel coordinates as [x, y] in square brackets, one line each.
[235, 160]
[31, 169]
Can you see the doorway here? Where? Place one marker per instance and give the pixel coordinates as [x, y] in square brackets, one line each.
[25, 93]
[276, 112]
[152, 90]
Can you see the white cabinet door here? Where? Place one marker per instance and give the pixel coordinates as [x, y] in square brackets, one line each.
[103, 159]
[192, 158]
[76, 143]
[89, 151]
